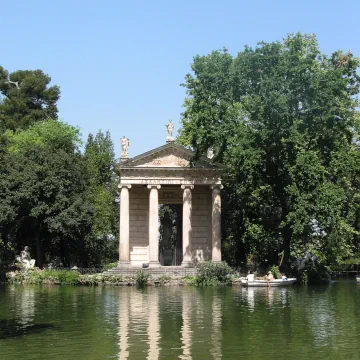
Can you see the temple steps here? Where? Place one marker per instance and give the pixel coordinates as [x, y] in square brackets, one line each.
[173, 271]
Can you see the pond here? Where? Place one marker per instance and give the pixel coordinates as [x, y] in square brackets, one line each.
[84, 323]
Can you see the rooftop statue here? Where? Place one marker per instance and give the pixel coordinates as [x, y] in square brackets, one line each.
[125, 143]
[170, 129]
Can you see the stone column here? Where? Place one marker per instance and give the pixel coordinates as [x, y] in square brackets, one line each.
[216, 223]
[154, 226]
[124, 255]
[187, 229]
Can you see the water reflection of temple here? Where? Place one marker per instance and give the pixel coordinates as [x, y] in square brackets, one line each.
[143, 317]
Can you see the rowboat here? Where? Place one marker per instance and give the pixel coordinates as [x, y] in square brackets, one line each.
[264, 283]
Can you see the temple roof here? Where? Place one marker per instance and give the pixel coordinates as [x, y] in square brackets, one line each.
[170, 156]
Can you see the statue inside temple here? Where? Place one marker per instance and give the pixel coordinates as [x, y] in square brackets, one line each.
[166, 243]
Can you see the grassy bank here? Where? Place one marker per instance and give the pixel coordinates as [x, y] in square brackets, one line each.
[66, 277]
[209, 274]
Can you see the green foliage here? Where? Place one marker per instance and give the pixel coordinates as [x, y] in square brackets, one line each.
[37, 276]
[99, 163]
[102, 279]
[27, 98]
[351, 264]
[283, 118]
[142, 278]
[59, 202]
[212, 273]
[52, 133]
[275, 271]
[42, 191]
[190, 280]
[110, 266]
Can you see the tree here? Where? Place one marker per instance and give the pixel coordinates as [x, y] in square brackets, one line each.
[99, 164]
[26, 98]
[43, 192]
[282, 118]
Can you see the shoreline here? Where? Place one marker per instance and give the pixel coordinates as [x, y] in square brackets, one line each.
[73, 278]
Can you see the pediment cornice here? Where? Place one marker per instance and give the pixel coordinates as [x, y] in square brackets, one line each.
[170, 156]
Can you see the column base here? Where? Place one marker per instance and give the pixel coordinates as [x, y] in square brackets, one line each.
[154, 264]
[187, 264]
[123, 264]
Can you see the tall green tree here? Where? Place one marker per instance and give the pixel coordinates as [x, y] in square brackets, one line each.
[26, 97]
[282, 117]
[42, 197]
[99, 163]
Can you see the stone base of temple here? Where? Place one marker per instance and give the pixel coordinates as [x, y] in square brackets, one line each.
[123, 264]
[174, 271]
[187, 264]
[154, 264]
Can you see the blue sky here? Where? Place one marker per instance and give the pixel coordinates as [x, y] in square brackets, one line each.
[120, 64]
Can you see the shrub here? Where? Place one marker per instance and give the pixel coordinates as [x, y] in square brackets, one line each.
[37, 276]
[110, 266]
[213, 274]
[164, 279]
[68, 277]
[190, 280]
[142, 278]
[274, 269]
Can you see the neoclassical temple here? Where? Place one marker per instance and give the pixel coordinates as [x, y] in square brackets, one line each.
[168, 175]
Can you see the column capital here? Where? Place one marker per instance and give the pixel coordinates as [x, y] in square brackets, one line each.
[124, 185]
[216, 187]
[187, 186]
[157, 186]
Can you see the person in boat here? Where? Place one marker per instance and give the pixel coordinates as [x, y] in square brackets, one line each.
[283, 277]
[269, 276]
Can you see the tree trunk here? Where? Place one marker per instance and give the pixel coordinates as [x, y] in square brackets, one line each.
[286, 233]
[39, 261]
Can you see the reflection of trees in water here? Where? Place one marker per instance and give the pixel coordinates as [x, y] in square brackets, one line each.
[320, 314]
[13, 328]
[23, 300]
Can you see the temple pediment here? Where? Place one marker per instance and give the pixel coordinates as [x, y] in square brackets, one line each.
[170, 155]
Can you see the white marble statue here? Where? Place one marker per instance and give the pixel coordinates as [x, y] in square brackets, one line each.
[125, 143]
[210, 153]
[170, 129]
[25, 258]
